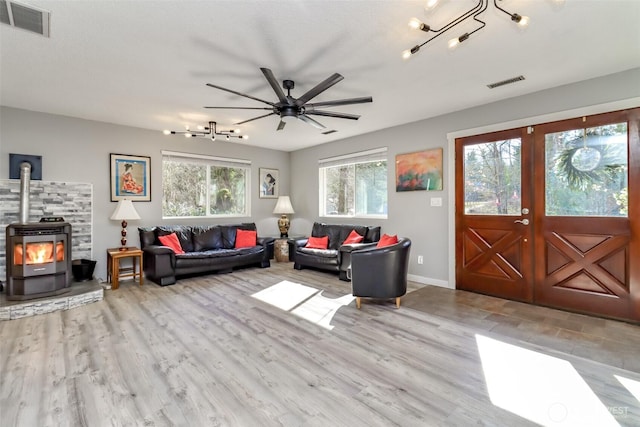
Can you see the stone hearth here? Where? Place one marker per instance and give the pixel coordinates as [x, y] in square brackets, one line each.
[81, 293]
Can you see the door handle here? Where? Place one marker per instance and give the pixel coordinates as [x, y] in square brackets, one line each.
[522, 221]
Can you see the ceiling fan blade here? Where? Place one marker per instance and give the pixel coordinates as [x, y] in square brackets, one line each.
[332, 114]
[255, 118]
[341, 102]
[311, 121]
[281, 124]
[268, 74]
[241, 94]
[243, 108]
[319, 88]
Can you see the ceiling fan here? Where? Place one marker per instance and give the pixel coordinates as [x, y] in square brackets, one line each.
[298, 108]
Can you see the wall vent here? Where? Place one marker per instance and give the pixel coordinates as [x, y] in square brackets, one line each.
[25, 17]
[505, 82]
[329, 131]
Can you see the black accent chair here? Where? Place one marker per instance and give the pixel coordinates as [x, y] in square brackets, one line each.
[380, 272]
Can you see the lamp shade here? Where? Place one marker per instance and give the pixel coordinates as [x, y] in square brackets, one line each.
[283, 206]
[124, 211]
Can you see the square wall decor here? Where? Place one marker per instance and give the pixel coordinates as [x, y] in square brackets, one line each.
[15, 160]
[421, 170]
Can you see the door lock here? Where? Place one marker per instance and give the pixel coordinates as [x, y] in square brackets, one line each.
[522, 221]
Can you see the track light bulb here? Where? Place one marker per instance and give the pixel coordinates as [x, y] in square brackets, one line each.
[406, 54]
[244, 136]
[522, 21]
[228, 137]
[166, 132]
[453, 43]
[416, 24]
[200, 127]
[187, 135]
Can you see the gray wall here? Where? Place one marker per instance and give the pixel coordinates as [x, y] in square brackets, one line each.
[76, 150]
[410, 213]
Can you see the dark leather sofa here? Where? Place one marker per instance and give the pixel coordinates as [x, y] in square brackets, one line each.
[207, 249]
[337, 257]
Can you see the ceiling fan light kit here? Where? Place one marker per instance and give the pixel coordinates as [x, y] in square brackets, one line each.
[287, 107]
[210, 132]
[475, 13]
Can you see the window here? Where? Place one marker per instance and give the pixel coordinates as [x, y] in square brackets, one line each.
[492, 173]
[354, 185]
[587, 172]
[204, 186]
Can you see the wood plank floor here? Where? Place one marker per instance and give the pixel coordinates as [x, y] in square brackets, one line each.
[204, 352]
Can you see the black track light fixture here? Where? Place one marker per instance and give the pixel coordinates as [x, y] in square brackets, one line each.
[210, 132]
[475, 13]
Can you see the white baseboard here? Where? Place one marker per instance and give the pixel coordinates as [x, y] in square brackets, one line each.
[430, 281]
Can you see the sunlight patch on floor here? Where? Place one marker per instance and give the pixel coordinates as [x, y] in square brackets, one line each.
[632, 385]
[541, 388]
[303, 301]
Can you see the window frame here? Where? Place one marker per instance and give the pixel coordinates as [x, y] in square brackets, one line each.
[211, 161]
[367, 156]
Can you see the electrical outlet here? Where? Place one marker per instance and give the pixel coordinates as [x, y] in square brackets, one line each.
[420, 259]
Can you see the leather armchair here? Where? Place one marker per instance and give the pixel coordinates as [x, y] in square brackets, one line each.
[380, 272]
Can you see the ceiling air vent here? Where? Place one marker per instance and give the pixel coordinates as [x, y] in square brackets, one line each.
[329, 131]
[505, 82]
[25, 17]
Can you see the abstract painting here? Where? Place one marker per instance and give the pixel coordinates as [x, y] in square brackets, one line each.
[421, 170]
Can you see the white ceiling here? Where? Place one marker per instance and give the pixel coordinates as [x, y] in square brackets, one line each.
[146, 63]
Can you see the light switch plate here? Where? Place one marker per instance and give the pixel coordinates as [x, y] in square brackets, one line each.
[436, 201]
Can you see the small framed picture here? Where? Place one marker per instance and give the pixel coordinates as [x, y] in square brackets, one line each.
[269, 183]
[130, 178]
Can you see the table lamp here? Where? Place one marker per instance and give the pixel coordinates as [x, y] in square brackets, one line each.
[124, 211]
[283, 207]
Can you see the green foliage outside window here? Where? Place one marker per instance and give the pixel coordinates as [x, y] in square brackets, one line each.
[198, 189]
[357, 189]
[573, 189]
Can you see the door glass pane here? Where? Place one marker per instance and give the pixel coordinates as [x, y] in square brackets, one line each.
[586, 172]
[492, 174]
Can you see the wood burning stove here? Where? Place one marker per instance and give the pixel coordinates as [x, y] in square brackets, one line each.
[38, 254]
[38, 260]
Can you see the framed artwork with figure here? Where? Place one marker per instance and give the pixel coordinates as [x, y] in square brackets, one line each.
[130, 177]
[269, 183]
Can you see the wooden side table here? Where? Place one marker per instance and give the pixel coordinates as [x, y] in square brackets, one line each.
[114, 272]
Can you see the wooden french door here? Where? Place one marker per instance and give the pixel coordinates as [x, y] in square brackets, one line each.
[551, 214]
[494, 251]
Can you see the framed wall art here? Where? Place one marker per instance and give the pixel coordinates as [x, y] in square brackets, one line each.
[130, 178]
[269, 183]
[421, 170]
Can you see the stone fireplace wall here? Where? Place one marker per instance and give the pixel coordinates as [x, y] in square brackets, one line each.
[72, 201]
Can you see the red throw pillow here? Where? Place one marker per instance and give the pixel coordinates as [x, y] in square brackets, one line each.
[387, 240]
[246, 238]
[318, 242]
[171, 240]
[353, 237]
